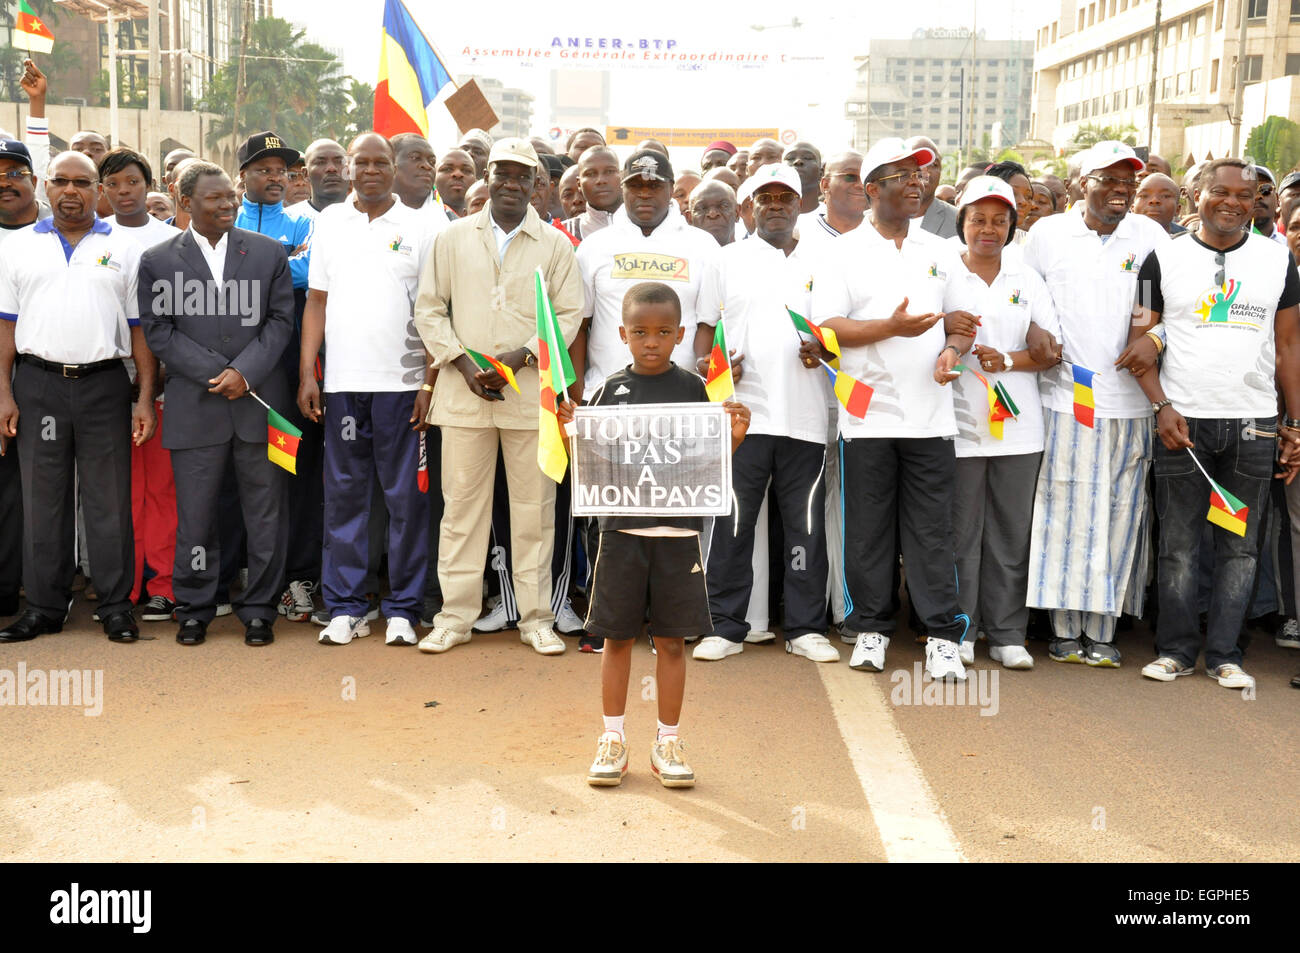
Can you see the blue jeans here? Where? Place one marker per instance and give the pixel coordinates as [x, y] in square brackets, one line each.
[1239, 455]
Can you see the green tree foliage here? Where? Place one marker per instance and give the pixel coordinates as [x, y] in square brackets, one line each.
[292, 86]
[1089, 135]
[1275, 143]
[361, 117]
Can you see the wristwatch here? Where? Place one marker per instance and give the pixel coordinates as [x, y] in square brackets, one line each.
[529, 358]
[1291, 423]
[1158, 406]
[1006, 359]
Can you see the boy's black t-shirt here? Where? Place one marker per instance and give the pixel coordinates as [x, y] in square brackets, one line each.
[673, 386]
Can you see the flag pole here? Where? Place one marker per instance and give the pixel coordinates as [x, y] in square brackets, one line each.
[253, 394]
[1213, 486]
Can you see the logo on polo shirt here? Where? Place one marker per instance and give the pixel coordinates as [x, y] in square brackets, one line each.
[1015, 297]
[936, 272]
[397, 246]
[106, 261]
[649, 265]
[1220, 306]
[1129, 262]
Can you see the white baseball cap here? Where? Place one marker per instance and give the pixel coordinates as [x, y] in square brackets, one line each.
[893, 150]
[513, 150]
[987, 187]
[1107, 153]
[774, 173]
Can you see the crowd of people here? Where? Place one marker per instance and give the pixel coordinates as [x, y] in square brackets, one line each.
[1063, 377]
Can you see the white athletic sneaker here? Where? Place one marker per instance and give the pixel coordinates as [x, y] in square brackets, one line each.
[813, 646]
[942, 660]
[760, 637]
[610, 766]
[343, 629]
[400, 632]
[869, 652]
[495, 619]
[1011, 656]
[567, 621]
[966, 651]
[1166, 669]
[296, 603]
[669, 765]
[544, 641]
[1231, 676]
[440, 640]
[714, 648]
[224, 608]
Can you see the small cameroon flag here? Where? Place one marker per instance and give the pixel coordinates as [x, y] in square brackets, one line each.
[718, 383]
[490, 363]
[1084, 404]
[282, 441]
[849, 391]
[1226, 510]
[825, 336]
[29, 32]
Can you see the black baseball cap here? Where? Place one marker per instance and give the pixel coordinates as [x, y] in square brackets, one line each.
[1290, 180]
[553, 164]
[13, 149]
[265, 144]
[648, 164]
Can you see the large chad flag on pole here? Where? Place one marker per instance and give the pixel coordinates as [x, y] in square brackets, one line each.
[29, 32]
[410, 75]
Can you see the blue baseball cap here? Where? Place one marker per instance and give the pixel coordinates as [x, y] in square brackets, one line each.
[13, 149]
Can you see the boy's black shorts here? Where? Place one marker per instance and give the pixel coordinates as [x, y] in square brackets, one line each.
[665, 571]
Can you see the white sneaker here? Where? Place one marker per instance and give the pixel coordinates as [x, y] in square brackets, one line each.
[610, 766]
[440, 640]
[1166, 669]
[567, 621]
[869, 652]
[1288, 637]
[714, 648]
[495, 619]
[813, 646]
[343, 629]
[1011, 656]
[544, 641]
[759, 637]
[1231, 676]
[966, 651]
[400, 632]
[943, 660]
[224, 608]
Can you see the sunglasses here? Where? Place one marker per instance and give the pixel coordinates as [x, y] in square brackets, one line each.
[62, 183]
[1220, 277]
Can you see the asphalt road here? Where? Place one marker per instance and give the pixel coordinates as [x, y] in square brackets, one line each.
[368, 752]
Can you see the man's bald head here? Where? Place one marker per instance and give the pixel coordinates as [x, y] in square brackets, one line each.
[1159, 164]
[1157, 180]
[91, 143]
[72, 163]
[654, 144]
[318, 144]
[1157, 199]
[721, 173]
[762, 152]
[363, 139]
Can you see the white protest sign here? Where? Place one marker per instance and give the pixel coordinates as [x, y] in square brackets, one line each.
[652, 460]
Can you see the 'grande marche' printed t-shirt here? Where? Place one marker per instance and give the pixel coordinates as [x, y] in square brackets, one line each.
[1219, 354]
[673, 386]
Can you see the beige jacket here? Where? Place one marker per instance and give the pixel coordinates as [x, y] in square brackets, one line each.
[469, 298]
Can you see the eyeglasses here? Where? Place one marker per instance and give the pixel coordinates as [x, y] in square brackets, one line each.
[850, 177]
[1113, 182]
[62, 183]
[1220, 276]
[786, 197]
[15, 174]
[296, 176]
[917, 176]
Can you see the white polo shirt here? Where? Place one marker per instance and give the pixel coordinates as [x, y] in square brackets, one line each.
[1005, 309]
[1093, 284]
[620, 256]
[751, 288]
[865, 276]
[1219, 343]
[370, 270]
[813, 229]
[70, 305]
[152, 232]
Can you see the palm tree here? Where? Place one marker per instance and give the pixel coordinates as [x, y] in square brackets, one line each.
[1089, 135]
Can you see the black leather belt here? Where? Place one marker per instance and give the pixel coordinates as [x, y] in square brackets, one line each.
[71, 371]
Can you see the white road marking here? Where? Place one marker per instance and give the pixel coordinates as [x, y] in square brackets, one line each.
[912, 826]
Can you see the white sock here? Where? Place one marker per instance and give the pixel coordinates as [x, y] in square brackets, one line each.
[665, 731]
[615, 723]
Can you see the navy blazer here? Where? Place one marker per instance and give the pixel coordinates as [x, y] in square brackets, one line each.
[198, 329]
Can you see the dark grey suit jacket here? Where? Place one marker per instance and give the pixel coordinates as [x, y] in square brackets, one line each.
[198, 329]
[940, 219]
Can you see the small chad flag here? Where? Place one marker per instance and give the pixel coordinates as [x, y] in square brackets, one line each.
[29, 32]
[282, 441]
[849, 391]
[1226, 510]
[825, 336]
[489, 363]
[1083, 401]
[718, 383]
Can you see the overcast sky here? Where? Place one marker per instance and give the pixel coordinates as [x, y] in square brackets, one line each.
[806, 98]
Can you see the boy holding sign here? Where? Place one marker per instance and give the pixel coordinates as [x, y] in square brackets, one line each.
[652, 561]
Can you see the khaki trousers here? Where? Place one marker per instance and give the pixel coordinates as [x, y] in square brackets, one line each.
[469, 456]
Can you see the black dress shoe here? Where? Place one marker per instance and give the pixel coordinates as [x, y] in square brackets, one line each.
[29, 626]
[121, 627]
[9, 605]
[258, 632]
[192, 632]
